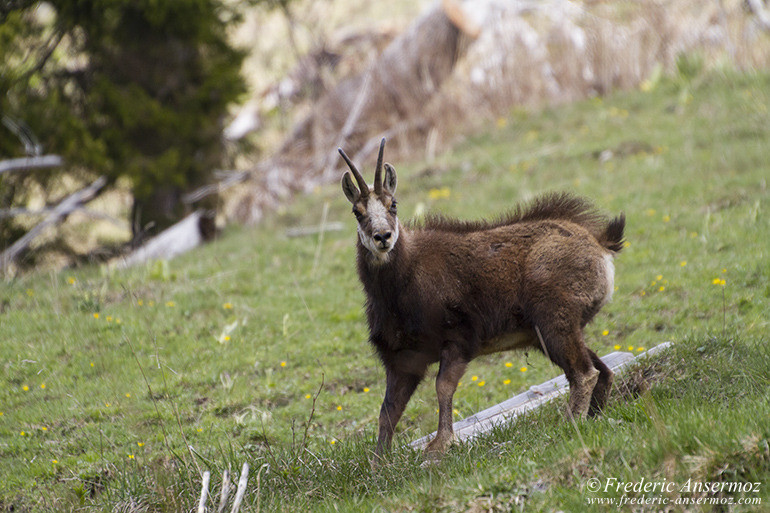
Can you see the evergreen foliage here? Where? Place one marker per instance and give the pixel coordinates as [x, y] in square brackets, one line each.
[127, 88]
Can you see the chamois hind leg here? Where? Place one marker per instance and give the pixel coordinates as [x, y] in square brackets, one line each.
[451, 368]
[399, 388]
[603, 385]
[564, 346]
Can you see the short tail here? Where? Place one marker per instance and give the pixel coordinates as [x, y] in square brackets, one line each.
[612, 238]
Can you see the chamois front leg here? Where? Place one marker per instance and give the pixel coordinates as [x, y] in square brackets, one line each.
[451, 369]
[399, 388]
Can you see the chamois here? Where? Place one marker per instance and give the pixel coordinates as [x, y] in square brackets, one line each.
[447, 291]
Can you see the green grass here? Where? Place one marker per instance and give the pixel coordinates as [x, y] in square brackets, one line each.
[254, 348]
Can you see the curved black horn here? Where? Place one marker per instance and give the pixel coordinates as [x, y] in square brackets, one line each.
[360, 179]
[378, 170]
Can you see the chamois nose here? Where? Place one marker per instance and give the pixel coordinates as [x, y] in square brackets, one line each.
[381, 236]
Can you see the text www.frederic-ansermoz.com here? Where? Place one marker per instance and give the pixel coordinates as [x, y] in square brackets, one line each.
[662, 492]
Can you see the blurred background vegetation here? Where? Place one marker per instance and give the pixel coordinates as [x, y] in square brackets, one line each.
[135, 90]
[235, 107]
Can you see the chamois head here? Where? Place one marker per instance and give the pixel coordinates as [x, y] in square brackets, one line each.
[375, 209]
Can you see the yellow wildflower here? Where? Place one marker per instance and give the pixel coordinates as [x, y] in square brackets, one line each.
[227, 306]
[507, 382]
[605, 333]
[508, 364]
[523, 369]
[442, 193]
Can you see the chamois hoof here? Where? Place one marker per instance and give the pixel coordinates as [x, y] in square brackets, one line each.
[437, 447]
[574, 416]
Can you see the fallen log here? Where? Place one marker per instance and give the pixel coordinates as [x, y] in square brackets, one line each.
[58, 214]
[189, 233]
[534, 398]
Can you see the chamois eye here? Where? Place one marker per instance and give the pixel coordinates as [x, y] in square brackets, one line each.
[358, 214]
[393, 208]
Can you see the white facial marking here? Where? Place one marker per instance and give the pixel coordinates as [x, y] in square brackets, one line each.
[379, 219]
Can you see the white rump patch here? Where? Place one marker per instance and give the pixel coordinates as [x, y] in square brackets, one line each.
[609, 275]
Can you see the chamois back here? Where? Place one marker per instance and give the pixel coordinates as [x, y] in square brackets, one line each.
[557, 205]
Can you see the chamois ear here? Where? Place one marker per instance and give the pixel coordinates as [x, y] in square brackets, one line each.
[351, 191]
[390, 182]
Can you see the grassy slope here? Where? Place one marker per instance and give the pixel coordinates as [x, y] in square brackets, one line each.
[94, 409]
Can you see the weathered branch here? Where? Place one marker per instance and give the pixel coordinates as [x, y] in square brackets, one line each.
[51, 45]
[225, 494]
[30, 163]
[303, 231]
[350, 123]
[60, 211]
[19, 211]
[204, 492]
[241, 488]
[233, 178]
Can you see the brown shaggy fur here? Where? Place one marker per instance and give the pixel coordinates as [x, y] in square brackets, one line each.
[448, 291]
